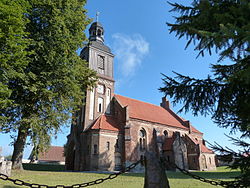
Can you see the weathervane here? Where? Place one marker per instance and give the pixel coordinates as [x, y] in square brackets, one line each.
[97, 16]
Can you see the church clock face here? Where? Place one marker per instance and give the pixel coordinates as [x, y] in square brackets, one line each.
[100, 89]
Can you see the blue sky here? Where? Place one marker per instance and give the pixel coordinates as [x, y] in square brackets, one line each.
[137, 33]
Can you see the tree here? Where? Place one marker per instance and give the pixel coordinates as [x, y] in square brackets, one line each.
[222, 26]
[13, 45]
[55, 77]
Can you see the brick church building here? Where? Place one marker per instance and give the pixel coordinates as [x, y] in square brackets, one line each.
[113, 131]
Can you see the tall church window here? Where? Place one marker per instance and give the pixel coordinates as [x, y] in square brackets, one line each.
[108, 146]
[142, 139]
[91, 105]
[100, 104]
[168, 158]
[108, 94]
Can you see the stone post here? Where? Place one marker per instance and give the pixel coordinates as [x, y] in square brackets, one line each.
[155, 175]
[5, 166]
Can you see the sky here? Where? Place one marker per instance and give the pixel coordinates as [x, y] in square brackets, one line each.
[138, 36]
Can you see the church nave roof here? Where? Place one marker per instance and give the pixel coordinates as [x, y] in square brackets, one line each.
[153, 113]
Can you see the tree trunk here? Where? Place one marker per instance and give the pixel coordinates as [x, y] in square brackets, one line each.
[19, 144]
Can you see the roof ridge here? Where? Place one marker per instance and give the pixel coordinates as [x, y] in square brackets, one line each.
[92, 124]
[180, 119]
[100, 122]
[138, 100]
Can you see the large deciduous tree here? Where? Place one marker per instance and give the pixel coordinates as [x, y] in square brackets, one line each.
[222, 26]
[55, 77]
[13, 48]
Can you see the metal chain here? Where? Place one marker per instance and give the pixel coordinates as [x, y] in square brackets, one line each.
[228, 184]
[95, 182]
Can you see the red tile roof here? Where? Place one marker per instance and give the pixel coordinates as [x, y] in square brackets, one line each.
[192, 127]
[54, 153]
[195, 130]
[204, 149]
[106, 122]
[149, 112]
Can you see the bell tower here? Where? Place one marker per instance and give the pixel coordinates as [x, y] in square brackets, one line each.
[100, 59]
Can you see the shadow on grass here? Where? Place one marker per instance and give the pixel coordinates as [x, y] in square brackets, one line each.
[208, 175]
[10, 186]
[44, 167]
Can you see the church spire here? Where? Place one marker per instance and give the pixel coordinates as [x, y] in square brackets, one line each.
[97, 16]
[96, 30]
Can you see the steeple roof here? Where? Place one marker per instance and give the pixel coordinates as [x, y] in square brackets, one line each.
[96, 32]
[96, 24]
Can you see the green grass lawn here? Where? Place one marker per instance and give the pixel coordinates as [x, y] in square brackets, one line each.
[128, 180]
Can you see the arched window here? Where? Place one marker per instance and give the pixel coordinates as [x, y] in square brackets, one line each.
[100, 104]
[165, 134]
[142, 139]
[108, 146]
[99, 32]
[196, 140]
[168, 158]
[177, 133]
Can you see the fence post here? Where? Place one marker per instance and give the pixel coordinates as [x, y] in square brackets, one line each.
[155, 175]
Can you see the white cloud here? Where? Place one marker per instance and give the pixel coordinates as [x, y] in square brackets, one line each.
[130, 51]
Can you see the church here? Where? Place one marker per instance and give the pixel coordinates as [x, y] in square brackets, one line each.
[112, 131]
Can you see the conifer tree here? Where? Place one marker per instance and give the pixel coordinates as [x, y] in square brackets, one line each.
[222, 26]
[55, 76]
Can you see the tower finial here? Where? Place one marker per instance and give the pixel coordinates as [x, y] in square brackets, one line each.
[97, 15]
